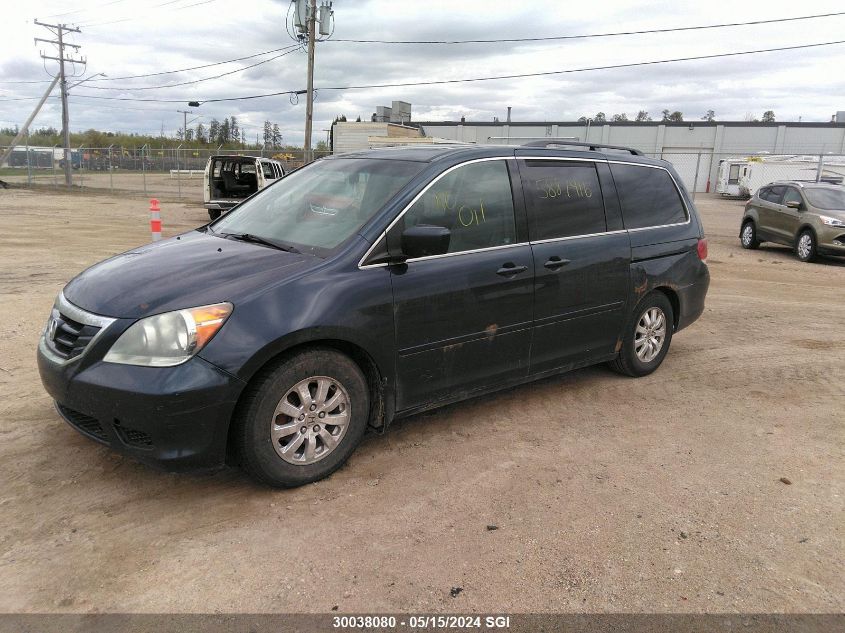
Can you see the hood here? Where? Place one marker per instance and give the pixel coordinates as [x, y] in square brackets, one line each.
[191, 270]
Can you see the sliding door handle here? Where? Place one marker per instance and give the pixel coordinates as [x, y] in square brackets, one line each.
[555, 263]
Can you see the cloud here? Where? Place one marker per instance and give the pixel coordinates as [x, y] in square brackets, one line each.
[121, 40]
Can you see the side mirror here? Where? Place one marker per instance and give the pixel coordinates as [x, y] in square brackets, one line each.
[424, 239]
[794, 204]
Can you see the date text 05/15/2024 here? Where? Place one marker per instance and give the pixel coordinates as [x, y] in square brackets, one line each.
[422, 622]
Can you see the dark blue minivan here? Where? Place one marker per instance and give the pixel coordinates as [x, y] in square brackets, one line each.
[369, 286]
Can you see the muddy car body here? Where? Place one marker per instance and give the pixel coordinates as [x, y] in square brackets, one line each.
[439, 274]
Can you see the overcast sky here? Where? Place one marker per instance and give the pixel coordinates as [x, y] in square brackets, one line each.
[132, 37]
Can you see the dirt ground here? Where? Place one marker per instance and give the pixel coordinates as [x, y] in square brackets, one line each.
[609, 494]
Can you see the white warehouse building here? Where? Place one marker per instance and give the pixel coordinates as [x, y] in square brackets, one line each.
[695, 148]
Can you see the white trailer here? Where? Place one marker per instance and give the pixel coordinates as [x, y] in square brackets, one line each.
[741, 177]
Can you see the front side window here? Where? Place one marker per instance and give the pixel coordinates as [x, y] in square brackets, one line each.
[563, 199]
[791, 195]
[773, 194]
[648, 196]
[474, 202]
[321, 205]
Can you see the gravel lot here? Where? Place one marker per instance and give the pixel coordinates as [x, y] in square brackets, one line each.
[609, 494]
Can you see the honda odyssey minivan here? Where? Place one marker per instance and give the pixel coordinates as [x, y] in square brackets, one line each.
[369, 286]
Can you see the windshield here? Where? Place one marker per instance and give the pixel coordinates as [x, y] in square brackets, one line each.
[321, 205]
[825, 197]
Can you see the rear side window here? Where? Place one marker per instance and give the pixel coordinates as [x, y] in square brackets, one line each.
[474, 202]
[648, 196]
[267, 168]
[563, 199]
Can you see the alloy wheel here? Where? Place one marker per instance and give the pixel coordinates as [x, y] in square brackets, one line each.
[310, 420]
[650, 334]
[805, 246]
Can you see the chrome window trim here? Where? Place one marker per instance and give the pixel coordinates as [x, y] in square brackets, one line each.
[65, 307]
[474, 250]
[362, 266]
[577, 237]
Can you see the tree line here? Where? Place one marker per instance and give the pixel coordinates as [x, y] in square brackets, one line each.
[668, 115]
[227, 133]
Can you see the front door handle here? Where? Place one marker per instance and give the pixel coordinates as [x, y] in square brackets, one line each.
[555, 263]
[511, 269]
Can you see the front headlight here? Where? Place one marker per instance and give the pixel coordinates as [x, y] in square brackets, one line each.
[829, 221]
[168, 339]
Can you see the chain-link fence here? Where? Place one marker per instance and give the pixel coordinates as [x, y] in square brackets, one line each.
[178, 173]
[147, 171]
[739, 174]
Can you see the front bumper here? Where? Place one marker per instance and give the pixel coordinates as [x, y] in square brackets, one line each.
[173, 417]
[831, 241]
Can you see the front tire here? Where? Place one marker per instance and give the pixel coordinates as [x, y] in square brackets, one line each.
[301, 418]
[647, 337]
[214, 214]
[748, 235]
[805, 246]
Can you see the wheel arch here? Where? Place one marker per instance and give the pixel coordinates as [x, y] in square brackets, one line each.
[805, 226]
[749, 216]
[381, 400]
[674, 301]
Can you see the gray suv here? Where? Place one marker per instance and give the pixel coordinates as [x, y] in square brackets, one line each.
[809, 217]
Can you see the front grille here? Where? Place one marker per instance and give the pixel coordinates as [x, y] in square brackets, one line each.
[85, 423]
[71, 337]
[133, 437]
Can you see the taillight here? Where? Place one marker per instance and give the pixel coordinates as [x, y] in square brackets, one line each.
[702, 250]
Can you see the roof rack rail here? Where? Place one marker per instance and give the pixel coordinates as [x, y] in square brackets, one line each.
[593, 147]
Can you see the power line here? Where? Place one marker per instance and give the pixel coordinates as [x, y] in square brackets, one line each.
[157, 6]
[85, 10]
[465, 80]
[530, 39]
[195, 81]
[590, 35]
[495, 78]
[170, 72]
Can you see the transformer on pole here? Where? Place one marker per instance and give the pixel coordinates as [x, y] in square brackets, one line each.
[310, 24]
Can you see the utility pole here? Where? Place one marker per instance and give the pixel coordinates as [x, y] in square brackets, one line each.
[59, 30]
[309, 106]
[185, 114]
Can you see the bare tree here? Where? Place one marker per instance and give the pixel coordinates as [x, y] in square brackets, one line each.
[710, 115]
[642, 115]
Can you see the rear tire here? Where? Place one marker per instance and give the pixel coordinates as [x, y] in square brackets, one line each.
[748, 235]
[647, 337]
[301, 418]
[805, 246]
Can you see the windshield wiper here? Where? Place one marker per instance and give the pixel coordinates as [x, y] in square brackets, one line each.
[257, 239]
